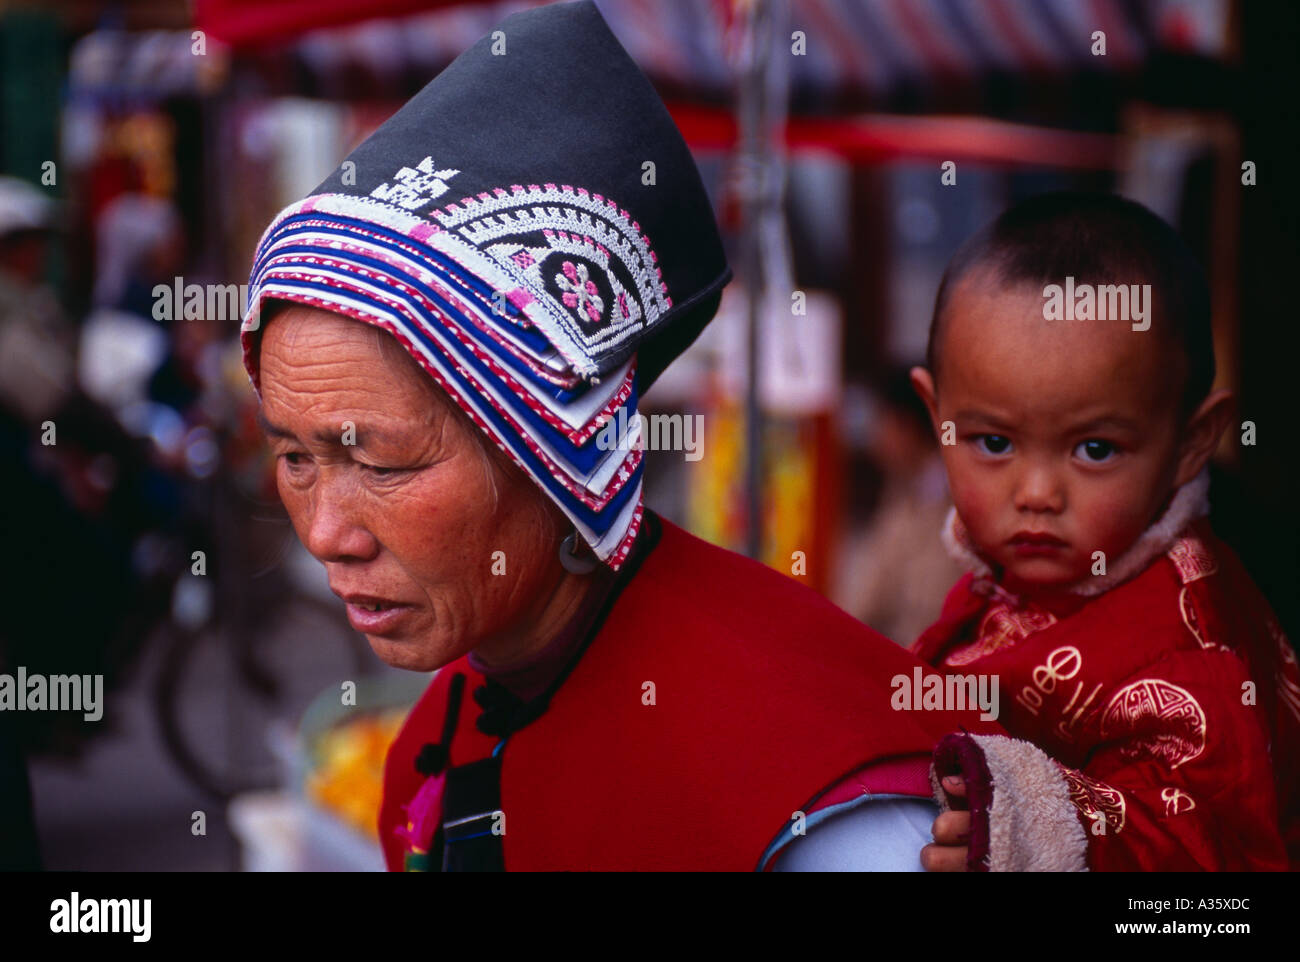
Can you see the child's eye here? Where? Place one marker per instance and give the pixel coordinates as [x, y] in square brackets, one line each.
[1095, 450]
[993, 443]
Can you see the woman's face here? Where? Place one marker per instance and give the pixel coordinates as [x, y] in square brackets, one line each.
[387, 487]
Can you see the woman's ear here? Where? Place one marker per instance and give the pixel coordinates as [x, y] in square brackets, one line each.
[923, 385]
[1201, 434]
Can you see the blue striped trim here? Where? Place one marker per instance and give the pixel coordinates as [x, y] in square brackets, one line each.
[403, 246]
[583, 457]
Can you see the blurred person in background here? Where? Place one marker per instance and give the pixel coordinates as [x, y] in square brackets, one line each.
[893, 572]
[35, 369]
[83, 478]
[124, 348]
[80, 479]
[37, 344]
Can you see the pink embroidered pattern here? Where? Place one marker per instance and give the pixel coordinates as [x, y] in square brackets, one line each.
[579, 291]
[484, 233]
[577, 435]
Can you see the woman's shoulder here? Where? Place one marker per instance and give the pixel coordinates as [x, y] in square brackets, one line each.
[700, 619]
[689, 558]
[697, 580]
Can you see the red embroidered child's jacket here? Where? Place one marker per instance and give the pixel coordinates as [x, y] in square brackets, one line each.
[1169, 705]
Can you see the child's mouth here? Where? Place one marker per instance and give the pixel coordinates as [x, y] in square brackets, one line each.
[1034, 544]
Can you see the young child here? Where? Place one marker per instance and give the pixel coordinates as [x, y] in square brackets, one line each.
[1157, 698]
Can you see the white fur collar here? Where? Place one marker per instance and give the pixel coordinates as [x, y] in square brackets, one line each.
[1189, 503]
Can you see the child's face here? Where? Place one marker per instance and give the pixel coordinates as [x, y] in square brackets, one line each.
[1067, 432]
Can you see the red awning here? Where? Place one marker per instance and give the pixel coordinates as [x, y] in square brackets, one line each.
[244, 23]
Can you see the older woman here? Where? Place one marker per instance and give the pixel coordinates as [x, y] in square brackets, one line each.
[438, 334]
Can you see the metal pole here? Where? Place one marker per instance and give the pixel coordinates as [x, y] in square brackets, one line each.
[753, 118]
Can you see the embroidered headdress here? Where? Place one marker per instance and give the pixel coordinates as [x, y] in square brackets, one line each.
[531, 227]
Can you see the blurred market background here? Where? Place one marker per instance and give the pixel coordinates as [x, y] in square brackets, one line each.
[141, 142]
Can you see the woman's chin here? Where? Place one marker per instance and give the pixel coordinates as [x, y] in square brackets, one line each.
[411, 653]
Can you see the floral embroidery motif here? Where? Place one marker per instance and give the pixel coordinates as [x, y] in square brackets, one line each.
[525, 231]
[1166, 722]
[506, 238]
[416, 186]
[580, 292]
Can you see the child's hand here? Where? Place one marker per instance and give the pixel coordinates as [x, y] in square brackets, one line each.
[951, 832]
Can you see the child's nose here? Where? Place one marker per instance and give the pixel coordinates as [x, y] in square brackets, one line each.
[1040, 489]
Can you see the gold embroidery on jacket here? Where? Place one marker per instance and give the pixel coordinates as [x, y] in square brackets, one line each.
[1167, 721]
[1192, 559]
[1176, 801]
[1001, 627]
[1191, 619]
[1097, 801]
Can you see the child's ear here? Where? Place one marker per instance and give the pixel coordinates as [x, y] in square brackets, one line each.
[923, 385]
[1201, 434]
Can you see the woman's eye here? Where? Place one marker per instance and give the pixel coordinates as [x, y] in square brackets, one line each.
[1095, 450]
[993, 443]
[296, 468]
[379, 472]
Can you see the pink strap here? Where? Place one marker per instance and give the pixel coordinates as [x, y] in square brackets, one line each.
[894, 776]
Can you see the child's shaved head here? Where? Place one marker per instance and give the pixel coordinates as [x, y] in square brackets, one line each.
[1097, 239]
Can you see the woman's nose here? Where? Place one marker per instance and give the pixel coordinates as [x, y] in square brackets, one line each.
[335, 531]
[1039, 489]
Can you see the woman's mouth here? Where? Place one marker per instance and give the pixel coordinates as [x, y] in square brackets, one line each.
[375, 616]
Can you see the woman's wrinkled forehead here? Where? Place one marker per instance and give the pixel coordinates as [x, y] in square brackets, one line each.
[293, 320]
[301, 327]
[320, 370]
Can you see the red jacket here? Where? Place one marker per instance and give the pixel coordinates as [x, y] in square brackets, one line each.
[1171, 703]
[765, 695]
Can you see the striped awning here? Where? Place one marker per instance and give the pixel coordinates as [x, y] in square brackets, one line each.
[857, 54]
